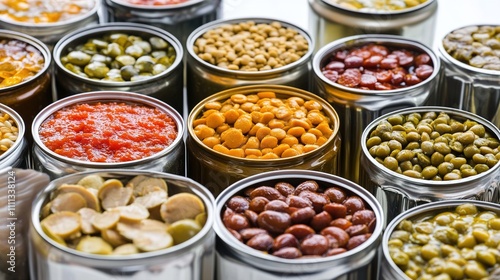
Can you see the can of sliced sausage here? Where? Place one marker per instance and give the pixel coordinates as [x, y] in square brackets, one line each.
[13, 144]
[108, 254]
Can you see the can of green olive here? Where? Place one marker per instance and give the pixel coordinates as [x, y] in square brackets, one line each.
[431, 164]
[123, 57]
[238, 257]
[80, 133]
[465, 244]
[357, 101]
[191, 259]
[471, 67]
[13, 144]
[218, 166]
[260, 51]
[330, 20]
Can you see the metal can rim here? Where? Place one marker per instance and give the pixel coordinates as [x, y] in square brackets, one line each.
[395, 12]
[158, 8]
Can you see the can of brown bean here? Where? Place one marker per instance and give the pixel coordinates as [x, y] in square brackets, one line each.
[366, 76]
[229, 53]
[430, 154]
[330, 20]
[471, 67]
[108, 129]
[111, 238]
[123, 57]
[453, 239]
[291, 224]
[252, 129]
[13, 145]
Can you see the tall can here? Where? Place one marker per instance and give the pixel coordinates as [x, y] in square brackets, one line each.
[188, 258]
[122, 57]
[431, 164]
[471, 67]
[103, 138]
[330, 20]
[357, 101]
[282, 55]
[227, 147]
[13, 143]
[239, 255]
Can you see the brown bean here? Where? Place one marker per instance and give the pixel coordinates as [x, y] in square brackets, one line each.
[257, 204]
[338, 233]
[274, 222]
[262, 242]
[357, 240]
[317, 200]
[252, 217]
[336, 210]
[226, 216]
[237, 222]
[288, 253]
[341, 223]
[267, 192]
[314, 244]
[298, 202]
[357, 230]
[335, 251]
[248, 233]
[309, 185]
[238, 204]
[302, 215]
[354, 204]
[320, 221]
[284, 188]
[335, 194]
[363, 217]
[277, 205]
[235, 234]
[285, 240]
[300, 231]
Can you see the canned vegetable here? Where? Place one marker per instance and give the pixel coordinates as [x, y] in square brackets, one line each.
[13, 145]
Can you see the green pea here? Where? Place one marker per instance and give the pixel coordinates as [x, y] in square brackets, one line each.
[405, 155]
[442, 148]
[480, 168]
[445, 168]
[429, 172]
[466, 138]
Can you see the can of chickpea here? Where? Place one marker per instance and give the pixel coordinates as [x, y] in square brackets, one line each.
[122, 224]
[252, 129]
[291, 224]
[366, 76]
[108, 129]
[429, 154]
[245, 51]
[330, 20]
[13, 145]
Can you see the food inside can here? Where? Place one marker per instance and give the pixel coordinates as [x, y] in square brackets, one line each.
[9, 132]
[116, 217]
[19, 61]
[374, 6]
[461, 243]
[119, 57]
[263, 125]
[377, 67]
[309, 219]
[477, 46]
[108, 131]
[154, 2]
[251, 46]
[433, 146]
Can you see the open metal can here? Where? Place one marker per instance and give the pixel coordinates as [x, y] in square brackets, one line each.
[16, 155]
[170, 159]
[191, 259]
[237, 260]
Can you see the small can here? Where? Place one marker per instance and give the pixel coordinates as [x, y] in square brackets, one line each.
[214, 73]
[358, 106]
[401, 189]
[470, 78]
[330, 20]
[237, 260]
[191, 259]
[170, 159]
[13, 131]
[216, 169]
[166, 84]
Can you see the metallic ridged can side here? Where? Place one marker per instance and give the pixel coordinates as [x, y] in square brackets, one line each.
[329, 22]
[204, 79]
[166, 86]
[17, 155]
[358, 107]
[398, 193]
[192, 259]
[170, 160]
[216, 170]
[235, 260]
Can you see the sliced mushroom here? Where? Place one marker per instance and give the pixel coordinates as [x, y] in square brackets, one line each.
[94, 245]
[133, 212]
[183, 230]
[144, 185]
[125, 249]
[70, 201]
[106, 219]
[181, 206]
[62, 224]
[152, 199]
[89, 197]
[86, 217]
[112, 194]
[153, 240]
[92, 181]
[131, 230]
[113, 237]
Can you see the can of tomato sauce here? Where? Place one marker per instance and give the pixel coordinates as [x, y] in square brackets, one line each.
[471, 67]
[13, 143]
[431, 153]
[366, 76]
[246, 51]
[292, 224]
[135, 241]
[252, 129]
[123, 57]
[330, 20]
[108, 129]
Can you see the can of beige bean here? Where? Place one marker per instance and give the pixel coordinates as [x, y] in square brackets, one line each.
[431, 154]
[13, 144]
[275, 127]
[245, 51]
[353, 76]
[238, 256]
[108, 129]
[190, 259]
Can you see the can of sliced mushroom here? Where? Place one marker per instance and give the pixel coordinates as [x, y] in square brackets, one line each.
[366, 76]
[122, 57]
[471, 67]
[158, 227]
[291, 224]
[330, 20]
[108, 129]
[425, 154]
[13, 144]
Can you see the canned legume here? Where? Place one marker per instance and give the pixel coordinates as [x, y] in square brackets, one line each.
[13, 144]
[376, 5]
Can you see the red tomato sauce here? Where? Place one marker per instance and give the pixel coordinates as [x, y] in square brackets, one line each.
[108, 132]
